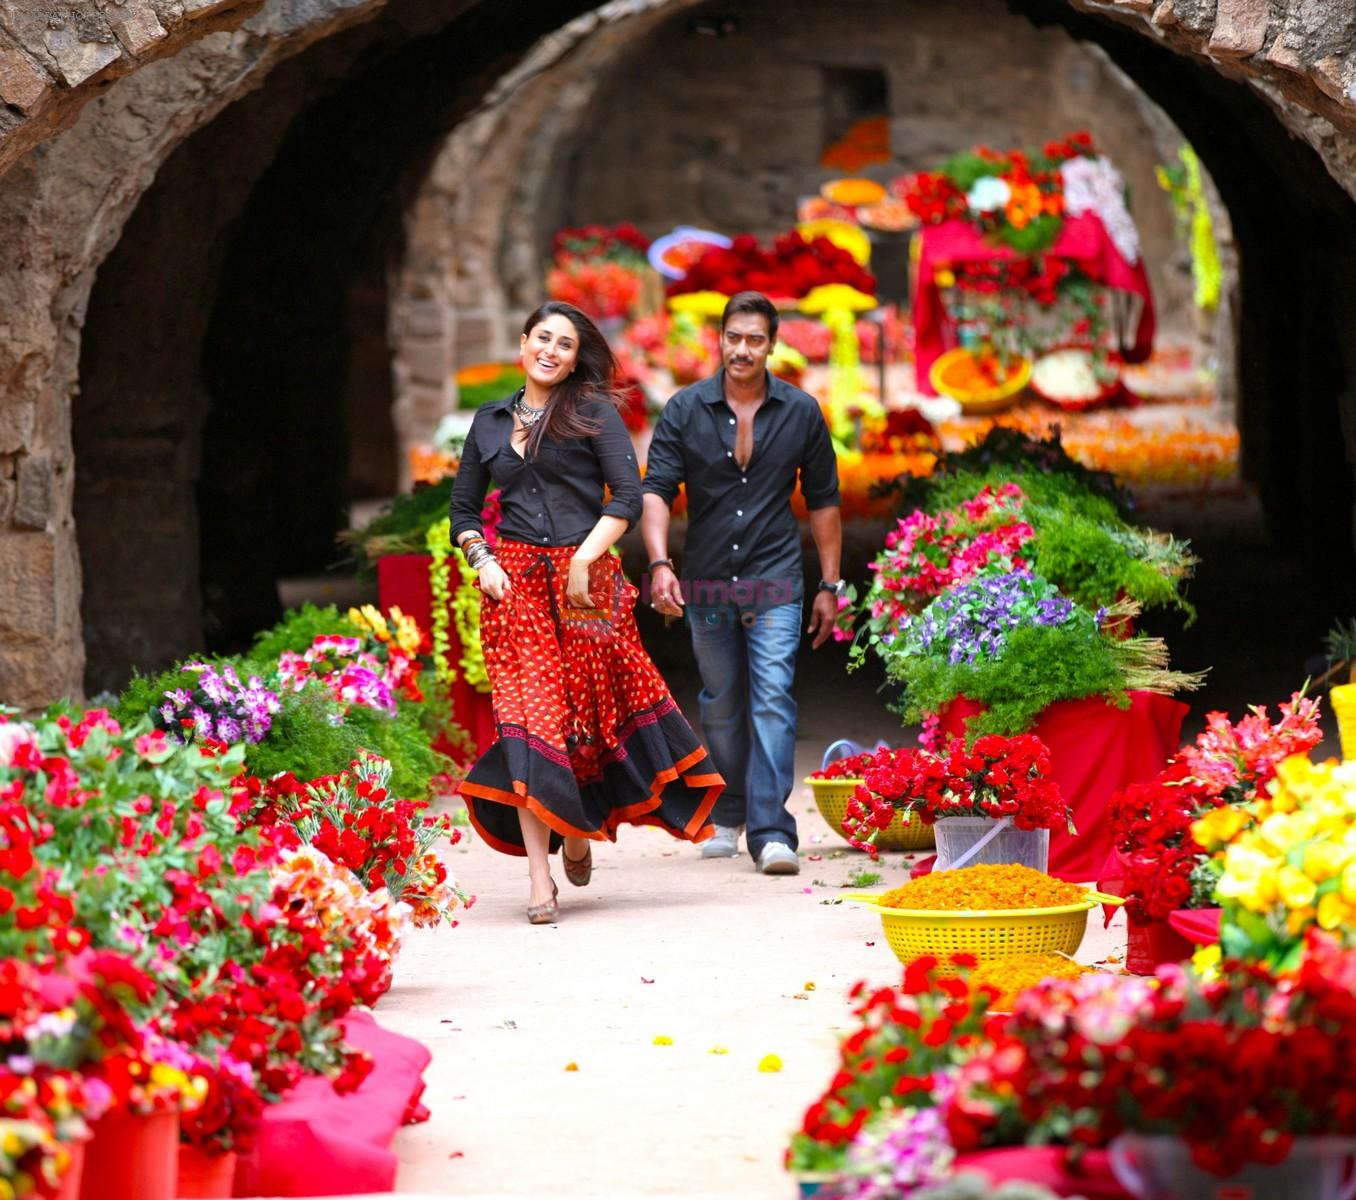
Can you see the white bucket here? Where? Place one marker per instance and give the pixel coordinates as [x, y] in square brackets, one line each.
[968, 841]
[1160, 1168]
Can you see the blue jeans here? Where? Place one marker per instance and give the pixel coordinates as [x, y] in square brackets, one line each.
[748, 714]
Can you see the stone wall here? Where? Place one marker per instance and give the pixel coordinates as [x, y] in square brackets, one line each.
[96, 94]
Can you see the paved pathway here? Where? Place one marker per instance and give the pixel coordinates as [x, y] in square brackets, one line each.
[729, 965]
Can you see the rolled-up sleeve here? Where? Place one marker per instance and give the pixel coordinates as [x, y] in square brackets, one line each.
[617, 457]
[468, 492]
[819, 466]
[664, 459]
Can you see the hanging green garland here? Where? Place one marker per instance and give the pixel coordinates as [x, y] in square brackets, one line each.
[463, 607]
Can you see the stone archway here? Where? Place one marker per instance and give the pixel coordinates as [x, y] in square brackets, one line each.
[97, 104]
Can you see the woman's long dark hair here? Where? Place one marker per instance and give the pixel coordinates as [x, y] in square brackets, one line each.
[596, 376]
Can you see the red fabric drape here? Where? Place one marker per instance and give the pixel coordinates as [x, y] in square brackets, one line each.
[1096, 749]
[1082, 241]
[403, 583]
[318, 1143]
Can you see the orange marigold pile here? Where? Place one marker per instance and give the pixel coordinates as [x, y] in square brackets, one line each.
[983, 887]
[1014, 974]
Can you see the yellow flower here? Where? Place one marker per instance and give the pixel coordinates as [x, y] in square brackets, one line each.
[769, 1064]
[944, 279]
[662, 1039]
[572, 1066]
[12, 1144]
[1349, 883]
[1333, 911]
[1323, 860]
[1219, 826]
[1206, 960]
[1297, 889]
[718, 1050]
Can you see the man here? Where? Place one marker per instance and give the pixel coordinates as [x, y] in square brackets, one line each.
[737, 441]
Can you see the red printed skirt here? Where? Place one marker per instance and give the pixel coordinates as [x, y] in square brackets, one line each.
[589, 738]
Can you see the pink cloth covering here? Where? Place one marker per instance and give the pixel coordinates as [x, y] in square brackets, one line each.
[1096, 749]
[1082, 240]
[1197, 925]
[318, 1143]
[403, 583]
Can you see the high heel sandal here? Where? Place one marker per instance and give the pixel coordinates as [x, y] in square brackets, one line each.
[545, 914]
[578, 870]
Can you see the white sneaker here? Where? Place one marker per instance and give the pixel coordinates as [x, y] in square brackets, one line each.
[777, 858]
[725, 844]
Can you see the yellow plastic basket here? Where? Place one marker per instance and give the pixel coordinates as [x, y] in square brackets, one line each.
[996, 933]
[831, 798]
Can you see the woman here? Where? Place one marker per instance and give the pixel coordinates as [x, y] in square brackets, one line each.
[589, 737]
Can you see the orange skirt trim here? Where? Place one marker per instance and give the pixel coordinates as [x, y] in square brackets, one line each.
[697, 830]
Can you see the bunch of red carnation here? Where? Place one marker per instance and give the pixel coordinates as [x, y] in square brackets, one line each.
[852, 767]
[622, 242]
[1227, 764]
[355, 821]
[997, 777]
[909, 1038]
[1238, 1066]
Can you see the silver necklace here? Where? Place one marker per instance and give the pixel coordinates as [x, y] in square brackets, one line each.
[528, 415]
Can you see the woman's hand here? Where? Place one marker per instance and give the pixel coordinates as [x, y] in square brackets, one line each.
[494, 581]
[577, 583]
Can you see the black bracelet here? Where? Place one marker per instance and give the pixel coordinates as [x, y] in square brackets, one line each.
[662, 562]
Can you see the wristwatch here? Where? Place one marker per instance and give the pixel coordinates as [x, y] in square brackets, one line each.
[838, 589]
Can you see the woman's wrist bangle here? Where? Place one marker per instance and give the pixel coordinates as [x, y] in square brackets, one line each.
[662, 562]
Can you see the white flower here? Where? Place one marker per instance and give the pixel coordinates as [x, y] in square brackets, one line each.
[988, 193]
[452, 430]
[1094, 185]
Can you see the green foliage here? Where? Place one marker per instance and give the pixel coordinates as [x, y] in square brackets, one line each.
[1036, 235]
[967, 169]
[1039, 666]
[298, 630]
[401, 527]
[1082, 544]
[862, 878]
[311, 737]
[508, 381]
[1007, 447]
[1340, 643]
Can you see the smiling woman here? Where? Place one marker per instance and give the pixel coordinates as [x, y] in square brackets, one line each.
[588, 736]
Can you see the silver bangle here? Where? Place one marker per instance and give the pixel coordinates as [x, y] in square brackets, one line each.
[480, 554]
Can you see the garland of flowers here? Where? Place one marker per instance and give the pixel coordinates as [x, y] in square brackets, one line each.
[463, 608]
[439, 543]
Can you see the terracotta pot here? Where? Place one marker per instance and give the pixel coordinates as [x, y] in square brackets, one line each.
[70, 1182]
[207, 1175]
[132, 1157]
[1148, 947]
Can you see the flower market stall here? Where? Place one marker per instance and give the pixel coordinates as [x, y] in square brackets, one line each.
[1220, 1077]
[196, 894]
[1004, 604]
[1022, 231]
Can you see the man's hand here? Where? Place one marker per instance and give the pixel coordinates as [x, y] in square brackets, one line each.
[823, 616]
[666, 593]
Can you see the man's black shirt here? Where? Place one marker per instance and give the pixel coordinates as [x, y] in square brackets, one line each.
[743, 540]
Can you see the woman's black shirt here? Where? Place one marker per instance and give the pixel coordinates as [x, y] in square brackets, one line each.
[556, 497]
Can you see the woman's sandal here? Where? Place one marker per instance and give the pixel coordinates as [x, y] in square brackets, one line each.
[545, 914]
[578, 870]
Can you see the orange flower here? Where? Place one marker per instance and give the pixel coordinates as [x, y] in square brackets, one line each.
[981, 888]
